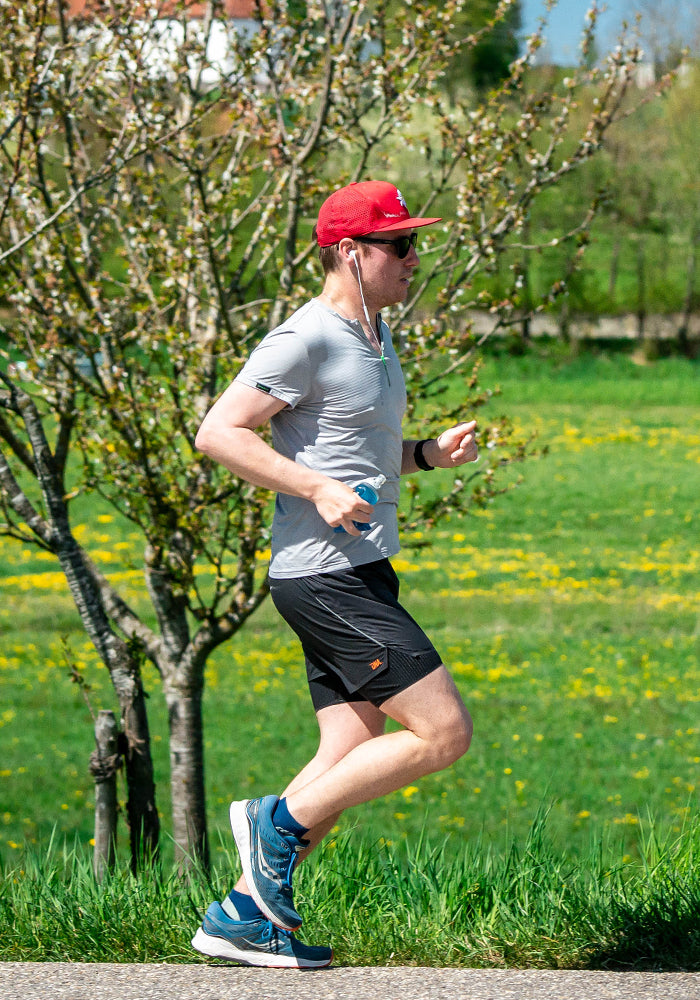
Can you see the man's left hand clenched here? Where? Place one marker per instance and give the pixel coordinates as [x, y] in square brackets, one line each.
[453, 447]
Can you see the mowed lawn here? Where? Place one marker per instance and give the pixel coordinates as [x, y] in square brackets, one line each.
[568, 612]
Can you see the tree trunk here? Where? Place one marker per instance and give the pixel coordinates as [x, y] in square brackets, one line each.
[691, 268]
[104, 764]
[614, 269]
[641, 291]
[141, 811]
[124, 668]
[526, 292]
[187, 772]
[122, 660]
[565, 322]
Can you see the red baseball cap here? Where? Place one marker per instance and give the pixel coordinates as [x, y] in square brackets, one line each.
[361, 208]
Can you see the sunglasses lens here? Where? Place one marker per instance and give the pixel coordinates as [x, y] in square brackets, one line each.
[404, 244]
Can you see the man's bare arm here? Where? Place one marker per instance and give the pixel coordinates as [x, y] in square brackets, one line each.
[229, 436]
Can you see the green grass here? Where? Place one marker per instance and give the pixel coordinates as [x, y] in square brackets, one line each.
[522, 906]
[568, 611]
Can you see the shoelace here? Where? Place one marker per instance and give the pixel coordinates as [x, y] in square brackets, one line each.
[290, 869]
[275, 934]
[283, 866]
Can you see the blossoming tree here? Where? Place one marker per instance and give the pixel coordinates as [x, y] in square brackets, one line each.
[156, 205]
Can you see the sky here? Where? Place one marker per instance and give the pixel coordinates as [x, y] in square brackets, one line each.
[565, 23]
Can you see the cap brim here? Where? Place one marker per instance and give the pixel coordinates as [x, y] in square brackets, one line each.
[404, 224]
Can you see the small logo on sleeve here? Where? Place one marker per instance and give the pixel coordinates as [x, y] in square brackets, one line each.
[263, 388]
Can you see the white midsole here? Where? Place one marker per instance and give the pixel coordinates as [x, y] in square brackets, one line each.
[216, 947]
[240, 828]
[241, 834]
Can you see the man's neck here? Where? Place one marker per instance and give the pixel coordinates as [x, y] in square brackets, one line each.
[347, 302]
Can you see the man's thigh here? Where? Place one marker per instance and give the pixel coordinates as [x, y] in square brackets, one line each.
[431, 705]
[345, 726]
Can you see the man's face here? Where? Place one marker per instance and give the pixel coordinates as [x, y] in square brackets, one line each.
[385, 277]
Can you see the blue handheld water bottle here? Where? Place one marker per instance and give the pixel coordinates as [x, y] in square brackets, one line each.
[368, 489]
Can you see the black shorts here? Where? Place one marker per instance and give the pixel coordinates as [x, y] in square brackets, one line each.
[359, 643]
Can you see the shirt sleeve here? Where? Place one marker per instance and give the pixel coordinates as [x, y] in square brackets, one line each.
[279, 365]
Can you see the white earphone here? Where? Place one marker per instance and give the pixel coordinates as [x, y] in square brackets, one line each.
[353, 256]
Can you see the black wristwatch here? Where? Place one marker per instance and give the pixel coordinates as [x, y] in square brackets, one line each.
[419, 457]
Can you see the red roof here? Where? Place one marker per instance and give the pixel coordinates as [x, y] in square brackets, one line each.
[195, 8]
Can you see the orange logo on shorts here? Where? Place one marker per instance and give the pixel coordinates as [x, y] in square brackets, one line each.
[376, 664]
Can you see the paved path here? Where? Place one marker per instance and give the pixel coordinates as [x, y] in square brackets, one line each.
[65, 981]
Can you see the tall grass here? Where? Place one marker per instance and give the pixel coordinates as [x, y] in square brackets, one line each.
[523, 906]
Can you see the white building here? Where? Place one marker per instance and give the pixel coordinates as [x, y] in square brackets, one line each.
[168, 33]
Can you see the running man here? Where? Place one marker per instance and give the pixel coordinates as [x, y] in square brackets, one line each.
[329, 382]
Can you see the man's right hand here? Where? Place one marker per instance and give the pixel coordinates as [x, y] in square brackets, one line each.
[338, 504]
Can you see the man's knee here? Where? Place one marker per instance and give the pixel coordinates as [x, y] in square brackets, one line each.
[452, 722]
[433, 709]
[455, 736]
[448, 738]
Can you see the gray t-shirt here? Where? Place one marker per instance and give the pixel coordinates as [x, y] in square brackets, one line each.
[343, 418]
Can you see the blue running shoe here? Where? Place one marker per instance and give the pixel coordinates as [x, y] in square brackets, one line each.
[268, 856]
[255, 942]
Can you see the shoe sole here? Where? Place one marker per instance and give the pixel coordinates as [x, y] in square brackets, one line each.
[240, 827]
[216, 947]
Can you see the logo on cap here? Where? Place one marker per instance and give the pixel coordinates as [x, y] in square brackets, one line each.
[403, 206]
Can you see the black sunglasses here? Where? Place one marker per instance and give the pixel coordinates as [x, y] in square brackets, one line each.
[401, 245]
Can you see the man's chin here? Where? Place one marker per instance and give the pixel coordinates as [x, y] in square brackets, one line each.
[401, 295]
